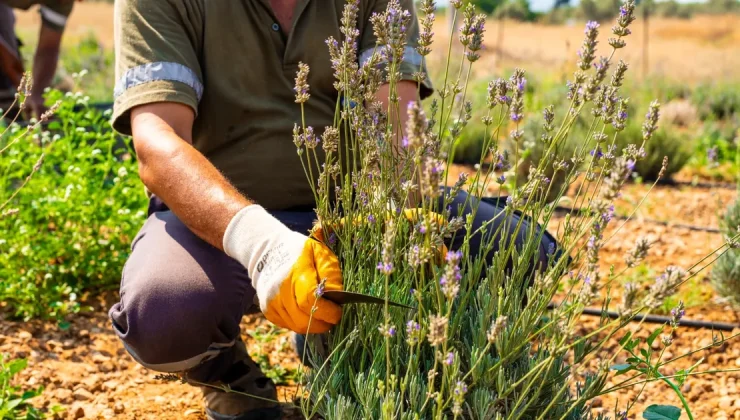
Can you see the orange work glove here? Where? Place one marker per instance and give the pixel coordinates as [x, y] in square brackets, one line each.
[286, 269]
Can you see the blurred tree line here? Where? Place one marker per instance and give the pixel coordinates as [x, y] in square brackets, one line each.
[600, 10]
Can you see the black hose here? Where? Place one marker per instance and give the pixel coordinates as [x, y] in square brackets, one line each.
[673, 183]
[659, 319]
[563, 209]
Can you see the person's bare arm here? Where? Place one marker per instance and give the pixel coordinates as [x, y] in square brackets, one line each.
[407, 93]
[182, 177]
[44, 66]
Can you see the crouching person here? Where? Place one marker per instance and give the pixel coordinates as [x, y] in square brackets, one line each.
[206, 90]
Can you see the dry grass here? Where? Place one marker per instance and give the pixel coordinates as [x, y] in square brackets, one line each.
[700, 49]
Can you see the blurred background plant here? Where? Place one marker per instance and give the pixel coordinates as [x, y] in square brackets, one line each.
[726, 271]
[69, 230]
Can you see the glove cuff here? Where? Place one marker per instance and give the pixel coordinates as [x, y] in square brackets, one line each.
[249, 237]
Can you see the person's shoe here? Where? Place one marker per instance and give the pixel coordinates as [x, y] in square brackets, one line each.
[244, 376]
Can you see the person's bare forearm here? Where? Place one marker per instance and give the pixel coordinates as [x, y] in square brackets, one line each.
[44, 68]
[45, 59]
[407, 93]
[172, 169]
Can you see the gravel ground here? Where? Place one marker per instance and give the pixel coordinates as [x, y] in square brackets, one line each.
[85, 369]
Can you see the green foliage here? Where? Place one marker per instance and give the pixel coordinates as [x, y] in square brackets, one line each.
[517, 10]
[717, 101]
[488, 6]
[598, 10]
[86, 57]
[14, 401]
[726, 270]
[662, 412]
[666, 142]
[76, 216]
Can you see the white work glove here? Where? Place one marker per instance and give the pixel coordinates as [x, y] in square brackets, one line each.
[286, 269]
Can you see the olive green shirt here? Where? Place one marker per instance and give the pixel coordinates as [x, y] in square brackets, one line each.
[232, 64]
[54, 13]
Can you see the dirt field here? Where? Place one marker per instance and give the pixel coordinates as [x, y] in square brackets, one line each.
[86, 369]
[703, 48]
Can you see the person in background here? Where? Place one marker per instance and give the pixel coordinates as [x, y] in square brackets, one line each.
[54, 14]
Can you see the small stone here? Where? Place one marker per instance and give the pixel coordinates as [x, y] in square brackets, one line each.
[53, 345]
[64, 395]
[118, 408]
[91, 383]
[159, 399]
[191, 412]
[686, 388]
[597, 402]
[81, 394]
[110, 385]
[83, 333]
[737, 362]
[106, 367]
[726, 402]
[78, 413]
[24, 335]
[99, 358]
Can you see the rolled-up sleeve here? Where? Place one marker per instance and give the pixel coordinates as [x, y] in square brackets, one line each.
[412, 61]
[157, 48]
[54, 13]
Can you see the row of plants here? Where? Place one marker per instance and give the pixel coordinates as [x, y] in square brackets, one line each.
[700, 126]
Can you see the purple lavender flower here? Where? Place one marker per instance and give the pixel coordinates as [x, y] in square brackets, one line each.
[320, 289]
[371, 218]
[450, 359]
[713, 155]
[385, 268]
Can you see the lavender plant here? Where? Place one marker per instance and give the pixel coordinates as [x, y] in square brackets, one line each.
[481, 343]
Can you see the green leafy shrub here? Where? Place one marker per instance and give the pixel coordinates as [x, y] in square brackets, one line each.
[534, 150]
[14, 401]
[72, 224]
[598, 10]
[667, 142]
[717, 100]
[726, 270]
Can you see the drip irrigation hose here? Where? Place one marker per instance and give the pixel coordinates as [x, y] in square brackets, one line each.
[563, 209]
[660, 319]
[708, 185]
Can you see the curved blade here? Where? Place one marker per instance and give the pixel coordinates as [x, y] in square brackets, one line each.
[342, 298]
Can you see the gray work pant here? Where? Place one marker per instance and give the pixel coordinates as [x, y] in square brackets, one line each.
[182, 299]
